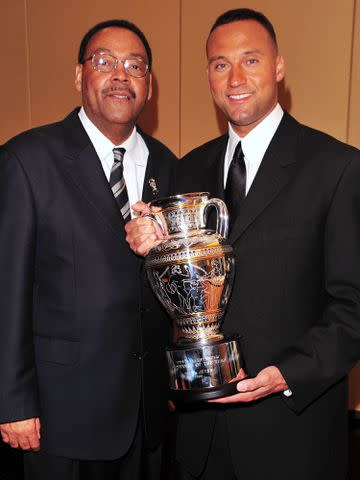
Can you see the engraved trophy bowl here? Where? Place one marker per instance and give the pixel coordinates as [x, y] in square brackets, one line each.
[191, 273]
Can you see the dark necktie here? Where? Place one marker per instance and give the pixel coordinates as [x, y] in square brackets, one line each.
[236, 183]
[118, 185]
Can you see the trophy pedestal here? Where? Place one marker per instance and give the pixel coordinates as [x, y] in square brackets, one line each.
[201, 371]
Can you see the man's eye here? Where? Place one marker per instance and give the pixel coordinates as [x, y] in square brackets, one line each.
[136, 66]
[104, 61]
[252, 61]
[220, 66]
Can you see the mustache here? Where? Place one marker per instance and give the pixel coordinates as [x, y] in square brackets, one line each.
[119, 89]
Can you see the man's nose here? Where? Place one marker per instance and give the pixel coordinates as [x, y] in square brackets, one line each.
[119, 73]
[237, 75]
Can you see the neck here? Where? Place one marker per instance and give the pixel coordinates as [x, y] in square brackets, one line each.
[117, 134]
[243, 130]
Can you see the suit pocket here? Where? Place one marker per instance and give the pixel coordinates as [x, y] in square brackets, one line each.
[56, 350]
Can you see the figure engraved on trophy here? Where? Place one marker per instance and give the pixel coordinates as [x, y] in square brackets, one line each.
[191, 273]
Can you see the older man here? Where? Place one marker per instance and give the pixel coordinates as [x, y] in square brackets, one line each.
[80, 329]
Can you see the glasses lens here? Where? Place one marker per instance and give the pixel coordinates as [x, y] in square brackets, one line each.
[135, 67]
[103, 62]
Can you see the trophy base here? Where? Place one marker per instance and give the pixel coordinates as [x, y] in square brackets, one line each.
[204, 370]
[201, 395]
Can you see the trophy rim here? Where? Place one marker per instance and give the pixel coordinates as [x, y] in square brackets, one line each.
[174, 200]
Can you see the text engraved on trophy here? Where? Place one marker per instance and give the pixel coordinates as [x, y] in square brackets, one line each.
[208, 366]
[209, 362]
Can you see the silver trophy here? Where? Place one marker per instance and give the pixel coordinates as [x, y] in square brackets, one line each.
[191, 273]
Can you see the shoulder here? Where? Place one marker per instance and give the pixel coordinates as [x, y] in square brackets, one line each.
[319, 143]
[156, 147]
[36, 139]
[32, 135]
[209, 148]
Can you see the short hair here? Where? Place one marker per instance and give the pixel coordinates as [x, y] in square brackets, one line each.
[118, 24]
[239, 14]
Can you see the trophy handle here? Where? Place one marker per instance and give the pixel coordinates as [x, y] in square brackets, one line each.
[222, 221]
[157, 219]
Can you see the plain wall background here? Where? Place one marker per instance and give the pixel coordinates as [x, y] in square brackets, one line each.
[320, 40]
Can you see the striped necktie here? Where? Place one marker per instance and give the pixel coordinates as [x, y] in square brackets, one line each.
[236, 183]
[118, 185]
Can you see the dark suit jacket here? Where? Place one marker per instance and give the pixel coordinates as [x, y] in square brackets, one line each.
[82, 337]
[295, 301]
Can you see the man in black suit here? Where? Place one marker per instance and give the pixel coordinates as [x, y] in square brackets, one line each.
[294, 200]
[82, 374]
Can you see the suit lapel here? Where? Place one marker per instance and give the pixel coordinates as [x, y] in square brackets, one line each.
[210, 170]
[85, 170]
[156, 185]
[276, 170]
[153, 181]
[219, 191]
[213, 172]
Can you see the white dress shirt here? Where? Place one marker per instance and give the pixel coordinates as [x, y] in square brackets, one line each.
[254, 145]
[135, 157]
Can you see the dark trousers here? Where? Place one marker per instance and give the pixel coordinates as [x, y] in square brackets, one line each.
[138, 464]
[219, 463]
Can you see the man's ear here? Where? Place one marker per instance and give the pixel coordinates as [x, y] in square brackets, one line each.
[150, 87]
[78, 76]
[280, 68]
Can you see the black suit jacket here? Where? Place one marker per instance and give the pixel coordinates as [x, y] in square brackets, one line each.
[295, 301]
[82, 335]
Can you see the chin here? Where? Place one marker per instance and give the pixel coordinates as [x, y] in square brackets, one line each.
[121, 119]
[241, 122]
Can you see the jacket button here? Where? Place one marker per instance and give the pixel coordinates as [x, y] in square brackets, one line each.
[138, 355]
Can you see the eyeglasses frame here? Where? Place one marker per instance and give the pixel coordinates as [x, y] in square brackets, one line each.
[116, 63]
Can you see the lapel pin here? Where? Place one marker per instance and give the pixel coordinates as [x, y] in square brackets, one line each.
[153, 186]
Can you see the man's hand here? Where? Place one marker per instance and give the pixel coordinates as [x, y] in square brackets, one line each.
[266, 382]
[24, 434]
[142, 233]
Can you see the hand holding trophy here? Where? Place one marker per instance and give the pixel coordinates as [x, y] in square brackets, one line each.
[191, 273]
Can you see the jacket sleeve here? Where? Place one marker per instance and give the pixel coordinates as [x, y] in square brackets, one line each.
[18, 383]
[330, 348]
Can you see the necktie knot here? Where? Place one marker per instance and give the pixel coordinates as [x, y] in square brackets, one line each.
[236, 183]
[119, 154]
[118, 185]
[238, 156]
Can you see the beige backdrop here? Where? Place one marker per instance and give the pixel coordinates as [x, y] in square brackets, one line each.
[320, 40]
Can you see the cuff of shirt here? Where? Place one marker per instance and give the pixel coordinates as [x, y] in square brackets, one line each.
[287, 393]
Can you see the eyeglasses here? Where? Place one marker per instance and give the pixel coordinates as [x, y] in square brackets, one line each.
[105, 63]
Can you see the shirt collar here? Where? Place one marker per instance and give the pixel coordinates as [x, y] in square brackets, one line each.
[103, 145]
[256, 142]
